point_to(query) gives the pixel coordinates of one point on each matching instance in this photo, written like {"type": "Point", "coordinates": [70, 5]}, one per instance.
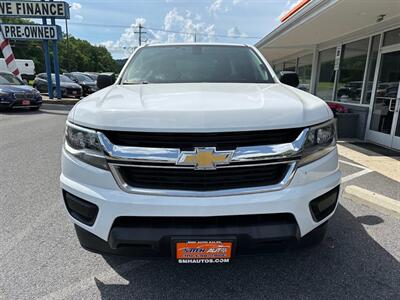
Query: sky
{"type": "Point", "coordinates": [113, 23]}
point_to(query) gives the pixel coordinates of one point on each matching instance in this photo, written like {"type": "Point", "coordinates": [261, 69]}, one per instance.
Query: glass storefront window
{"type": "Point", "coordinates": [304, 71]}
{"type": "Point", "coordinates": [373, 57]}
{"type": "Point", "coordinates": [391, 37]}
{"type": "Point", "coordinates": [351, 74]}
{"type": "Point", "coordinates": [326, 78]}
{"type": "Point", "coordinates": [290, 65]}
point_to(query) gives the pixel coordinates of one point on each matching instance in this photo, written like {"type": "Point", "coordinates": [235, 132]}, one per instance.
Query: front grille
{"type": "Point", "coordinates": [202, 180]}
{"type": "Point", "coordinates": [23, 95]}
{"type": "Point", "coordinates": [187, 141]}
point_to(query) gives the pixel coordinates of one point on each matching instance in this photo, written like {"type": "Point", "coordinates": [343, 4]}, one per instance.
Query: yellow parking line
{"type": "Point", "coordinates": [372, 199]}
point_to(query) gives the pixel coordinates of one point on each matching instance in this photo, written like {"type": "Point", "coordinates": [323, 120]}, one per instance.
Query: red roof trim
{"type": "Point", "coordinates": [294, 10]}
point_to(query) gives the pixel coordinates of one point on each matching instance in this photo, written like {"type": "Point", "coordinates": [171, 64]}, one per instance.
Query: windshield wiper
{"type": "Point", "coordinates": [136, 82]}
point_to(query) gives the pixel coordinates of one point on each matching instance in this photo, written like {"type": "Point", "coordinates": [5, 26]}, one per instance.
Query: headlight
{"type": "Point", "coordinates": [84, 144]}
{"type": "Point", "coordinates": [3, 94]}
{"type": "Point", "coordinates": [321, 139]}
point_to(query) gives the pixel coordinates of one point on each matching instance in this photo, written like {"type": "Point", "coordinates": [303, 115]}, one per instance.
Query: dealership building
{"type": "Point", "coordinates": [345, 52]}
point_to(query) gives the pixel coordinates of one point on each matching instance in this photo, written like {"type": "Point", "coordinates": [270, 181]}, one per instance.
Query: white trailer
{"type": "Point", "coordinates": [26, 68]}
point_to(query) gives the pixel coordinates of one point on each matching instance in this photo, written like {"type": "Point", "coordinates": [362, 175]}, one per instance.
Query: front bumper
{"type": "Point", "coordinates": [71, 92]}
{"type": "Point", "coordinates": [18, 104]}
{"type": "Point", "coordinates": [100, 188]}
{"type": "Point", "coordinates": [88, 89]}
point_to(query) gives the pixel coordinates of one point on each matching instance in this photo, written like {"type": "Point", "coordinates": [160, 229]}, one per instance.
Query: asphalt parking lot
{"type": "Point", "coordinates": [40, 256]}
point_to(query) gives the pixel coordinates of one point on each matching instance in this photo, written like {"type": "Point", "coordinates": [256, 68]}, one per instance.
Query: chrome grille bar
{"type": "Point", "coordinates": [127, 156]}
{"type": "Point", "coordinates": [171, 155]}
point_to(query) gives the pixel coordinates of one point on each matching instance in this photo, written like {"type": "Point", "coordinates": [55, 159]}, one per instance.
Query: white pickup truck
{"type": "Point", "coordinates": [200, 153]}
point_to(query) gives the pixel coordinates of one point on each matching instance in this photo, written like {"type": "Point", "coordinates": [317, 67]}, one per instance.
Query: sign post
{"type": "Point", "coordinates": [46, 51]}
{"type": "Point", "coordinates": [56, 63]}
{"type": "Point", "coordinates": [47, 32]}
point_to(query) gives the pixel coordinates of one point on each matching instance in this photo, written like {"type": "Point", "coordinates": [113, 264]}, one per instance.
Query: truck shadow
{"type": "Point", "coordinates": [348, 264]}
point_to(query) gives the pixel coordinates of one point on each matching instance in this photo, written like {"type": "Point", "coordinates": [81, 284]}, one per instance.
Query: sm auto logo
{"type": "Point", "coordinates": [207, 158]}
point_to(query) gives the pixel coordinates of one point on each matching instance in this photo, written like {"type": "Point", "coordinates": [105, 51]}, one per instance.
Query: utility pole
{"type": "Point", "coordinates": [140, 32]}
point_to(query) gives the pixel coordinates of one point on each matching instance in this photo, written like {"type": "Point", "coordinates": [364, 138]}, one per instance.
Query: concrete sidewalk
{"type": "Point", "coordinates": [63, 101]}
{"type": "Point", "coordinates": [385, 165]}
{"type": "Point", "coordinates": [371, 178]}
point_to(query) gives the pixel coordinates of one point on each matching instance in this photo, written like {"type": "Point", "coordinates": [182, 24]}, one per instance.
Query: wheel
{"type": "Point", "coordinates": [314, 237]}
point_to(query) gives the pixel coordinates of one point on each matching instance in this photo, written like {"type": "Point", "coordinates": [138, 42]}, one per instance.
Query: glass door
{"type": "Point", "coordinates": [384, 126]}
{"type": "Point", "coordinates": [396, 126]}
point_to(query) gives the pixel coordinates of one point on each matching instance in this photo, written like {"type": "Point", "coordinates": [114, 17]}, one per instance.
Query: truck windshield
{"type": "Point", "coordinates": [63, 78]}
{"type": "Point", "coordinates": [196, 63]}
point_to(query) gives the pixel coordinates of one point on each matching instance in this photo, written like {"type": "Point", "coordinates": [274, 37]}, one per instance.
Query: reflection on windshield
{"type": "Point", "coordinates": [63, 78]}
{"type": "Point", "coordinates": [9, 79]}
{"type": "Point", "coordinates": [81, 77]}
{"type": "Point", "coordinates": [196, 63]}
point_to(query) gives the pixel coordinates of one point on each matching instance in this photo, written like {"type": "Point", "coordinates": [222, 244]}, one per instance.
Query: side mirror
{"type": "Point", "coordinates": [289, 78]}
{"type": "Point", "coordinates": [105, 80]}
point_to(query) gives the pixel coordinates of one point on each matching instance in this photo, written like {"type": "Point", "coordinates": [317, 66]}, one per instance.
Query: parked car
{"type": "Point", "coordinates": [68, 87]}
{"type": "Point", "coordinates": [92, 75]}
{"type": "Point", "coordinates": [87, 83]}
{"type": "Point", "coordinates": [199, 152]}
{"type": "Point", "coordinates": [351, 91]}
{"type": "Point", "coordinates": [14, 93]}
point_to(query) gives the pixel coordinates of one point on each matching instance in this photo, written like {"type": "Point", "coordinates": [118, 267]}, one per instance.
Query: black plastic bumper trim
{"type": "Point", "coordinates": [81, 210]}
{"type": "Point", "coordinates": [324, 205]}
{"type": "Point", "coordinates": [156, 242]}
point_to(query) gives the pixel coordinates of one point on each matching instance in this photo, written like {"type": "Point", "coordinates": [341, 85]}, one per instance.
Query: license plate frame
{"type": "Point", "coordinates": [205, 250]}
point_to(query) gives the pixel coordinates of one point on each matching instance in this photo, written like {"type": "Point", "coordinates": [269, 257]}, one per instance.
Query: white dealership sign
{"type": "Point", "coordinates": [34, 9]}
{"type": "Point", "coordinates": [30, 32]}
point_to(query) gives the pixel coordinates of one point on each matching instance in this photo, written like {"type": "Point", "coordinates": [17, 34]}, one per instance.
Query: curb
{"type": "Point", "coordinates": [372, 199]}
{"type": "Point", "coordinates": [61, 102]}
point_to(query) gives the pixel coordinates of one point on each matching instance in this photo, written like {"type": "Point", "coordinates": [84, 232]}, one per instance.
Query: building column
{"type": "Point", "coordinates": [314, 71]}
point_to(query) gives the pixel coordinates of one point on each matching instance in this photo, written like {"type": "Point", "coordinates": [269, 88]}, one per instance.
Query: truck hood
{"type": "Point", "coordinates": [199, 107]}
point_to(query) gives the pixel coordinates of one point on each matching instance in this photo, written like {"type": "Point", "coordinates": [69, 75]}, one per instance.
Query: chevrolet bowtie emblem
{"type": "Point", "coordinates": [204, 158]}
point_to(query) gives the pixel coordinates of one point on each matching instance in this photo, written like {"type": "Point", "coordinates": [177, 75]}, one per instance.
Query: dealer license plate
{"type": "Point", "coordinates": [26, 102]}
{"type": "Point", "coordinates": [203, 252]}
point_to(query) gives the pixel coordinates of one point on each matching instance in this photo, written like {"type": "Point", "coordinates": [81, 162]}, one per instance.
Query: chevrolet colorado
{"type": "Point", "coordinates": [201, 153]}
